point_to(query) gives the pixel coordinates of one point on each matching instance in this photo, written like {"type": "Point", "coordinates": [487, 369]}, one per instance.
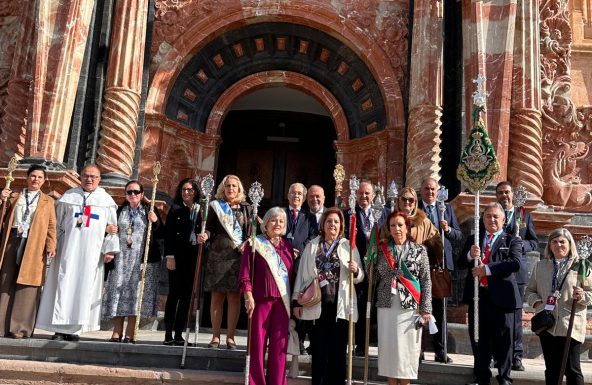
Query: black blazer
{"type": "Point", "coordinates": [361, 241]}
{"type": "Point", "coordinates": [454, 235]}
{"type": "Point", "coordinates": [530, 242]}
{"type": "Point", "coordinates": [306, 209]}
{"type": "Point", "coordinates": [178, 233]}
{"type": "Point", "coordinates": [301, 231]}
{"type": "Point", "coordinates": [504, 261]}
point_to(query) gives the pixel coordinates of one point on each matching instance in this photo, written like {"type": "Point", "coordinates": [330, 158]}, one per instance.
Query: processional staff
{"type": "Point", "coordinates": [392, 194]}
{"type": "Point", "coordinates": [9, 179]}
{"type": "Point", "coordinates": [354, 185]}
{"type": "Point", "coordinates": [206, 186]}
{"type": "Point", "coordinates": [478, 166]}
{"type": "Point", "coordinates": [155, 173]}
{"type": "Point", "coordinates": [371, 258]}
{"type": "Point", "coordinates": [256, 195]}
{"type": "Point", "coordinates": [339, 176]}
{"type": "Point", "coordinates": [442, 197]}
{"type": "Point", "coordinates": [520, 197]}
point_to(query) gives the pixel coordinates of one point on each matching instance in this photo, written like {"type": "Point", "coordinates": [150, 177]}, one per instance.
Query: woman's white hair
{"type": "Point", "coordinates": [272, 213]}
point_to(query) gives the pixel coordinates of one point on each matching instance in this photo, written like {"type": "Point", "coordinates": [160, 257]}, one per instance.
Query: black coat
{"type": "Point", "coordinates": [530, 242]}
{"type": "Point", "coordinates": [178, 233]}
{"type": "Point", "coordinates": [361, 241]}
{"type": "Point", "coordinates": [301, 231]}
{"type": "Point", "coordinates": [504, 261]}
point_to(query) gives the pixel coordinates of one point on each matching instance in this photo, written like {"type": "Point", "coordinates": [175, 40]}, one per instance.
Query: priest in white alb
{"type": "Point", "coordinates": [71, 299]}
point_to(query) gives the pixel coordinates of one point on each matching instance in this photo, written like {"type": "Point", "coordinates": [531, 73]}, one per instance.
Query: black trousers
{"type": "Point", "coordinates": [360, 326]}
{"type": "Point", "coordinates": [178, 300]}
{"type": "Point", "coordinates": [518, 346]}
{"type": "Point", "coordinates": [495, 338]}
{"type": "Point", "coordinates": [553, 348]}
{"type": "Point", "coordinates": [438, 313]}
{"type": "Point", "coordinates": [329, 347]}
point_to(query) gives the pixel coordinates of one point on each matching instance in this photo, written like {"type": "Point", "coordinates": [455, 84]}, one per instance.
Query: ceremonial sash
{"type": "Point", "coordinates": [402, 273]}
{"type": "Point", "coordinates": [228, 221]}
{"type": "Point", "coordinates": [276, 266]}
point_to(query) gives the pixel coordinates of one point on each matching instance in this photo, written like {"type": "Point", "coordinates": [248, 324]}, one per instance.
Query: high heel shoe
{"type": "Point", "coordinates": [129, 340]}
{"type": "Point", "coordinates": [115, 339]}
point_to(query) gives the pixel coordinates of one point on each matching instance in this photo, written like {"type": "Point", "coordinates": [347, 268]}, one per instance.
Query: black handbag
{"type": "Point", "coordinates": [542, 321]}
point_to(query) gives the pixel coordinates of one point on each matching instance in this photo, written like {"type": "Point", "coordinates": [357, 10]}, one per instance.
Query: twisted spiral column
{"type": "Point", "coordinates": [423, 145]}
{"type": "Point", "coordinates": [121, 106]}
{"type": "Point", "coordinates": [525, 155]}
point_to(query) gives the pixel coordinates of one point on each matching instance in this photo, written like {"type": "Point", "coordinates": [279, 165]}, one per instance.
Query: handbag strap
{"type": "Point", "coordinates": [558, 289]}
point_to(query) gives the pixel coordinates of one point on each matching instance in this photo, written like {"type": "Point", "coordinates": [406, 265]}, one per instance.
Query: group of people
{"type": "Point", "coordinates": [67, 265]}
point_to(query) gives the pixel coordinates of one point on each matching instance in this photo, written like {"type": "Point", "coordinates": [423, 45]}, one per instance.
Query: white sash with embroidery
{"type": "Point", "coordinates": [276, 266]}
{"type": "Point", "coordinates": [226, 218]}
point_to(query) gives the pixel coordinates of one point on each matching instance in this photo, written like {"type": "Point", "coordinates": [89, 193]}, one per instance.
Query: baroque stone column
{"type": "Point", "coordinates": [425, 105]}
{"type": "Point", "coordinates": [488, 50]}
{"type": "Point", "coordinates": [60, 41]}
{"type": "Point", "coordinates": [122, 91]}
{"type": "Point", "coordinates": [525, 153]}
{"type": "Point", "coordinates": [17, 19]}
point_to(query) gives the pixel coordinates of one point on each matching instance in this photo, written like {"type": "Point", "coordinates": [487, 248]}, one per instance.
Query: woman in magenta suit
{"type": "Point", "coordinates": [267, 298]}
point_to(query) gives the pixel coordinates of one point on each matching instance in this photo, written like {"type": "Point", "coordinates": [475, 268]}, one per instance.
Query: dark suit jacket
{"type": "Point", "coordinates": [454, 235]}
{"type": "Point", "coordinates": [306, 209]}
{"type": "Point", "coordinates": [361, 241]}
{"type": "Point", "coordinates": [504, 261]}
{"type": "Point", "coordinates": [300, 232]}
{"type": "Point", "coordinates": [530, 242]}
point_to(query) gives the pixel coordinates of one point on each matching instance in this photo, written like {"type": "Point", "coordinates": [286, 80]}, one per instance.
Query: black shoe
{"type": "Point", "coordinates": [128, 340]}
{"type": "Point", "coordinates": [440, 358]}
{"type": "Point", "coordinates": [505, 382]}
{"type": "Point", "coordinates": [517, 365]}
{"type": "Point", "coordinates": [71, 337]}
{"type": "Point", "coordinates": [359, 353]}
{"type": "Point", "coordinates": [421, 357]}
{"type": "Point", "coordinates": [57, 337]}
{"type": "Point", "coordinates": [178, 341]}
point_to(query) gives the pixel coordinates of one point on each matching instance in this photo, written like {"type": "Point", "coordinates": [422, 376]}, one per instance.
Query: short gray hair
{"type": "Point", "coordinates": [272, 213]}
{"type": "Point", "coordinates": [495, 205]}
{"type": "Point", "coordinates": [561, 232]}
{"type": "Point", "coordinates": [298, 184]}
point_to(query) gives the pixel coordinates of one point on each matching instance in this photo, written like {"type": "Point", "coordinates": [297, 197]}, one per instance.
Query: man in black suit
{"type": "Point", "coordinates": [302, 226]}
{"type": "Point", "coordinates": [521, 220]}
{"type": "Point", "coordinates": [315, 202]}
{"type": "Point", "coordinates": [449, 224]}
{"type": "Point", "coordinates": [498, 294]}
{"type": "Point", "coordinates": [365, 220]}
{"type": "Point", "coordinates": [300, 229]}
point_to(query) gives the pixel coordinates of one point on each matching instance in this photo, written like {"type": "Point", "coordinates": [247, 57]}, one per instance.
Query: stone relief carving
{"type": "Point", "coordinates": [566, 137]}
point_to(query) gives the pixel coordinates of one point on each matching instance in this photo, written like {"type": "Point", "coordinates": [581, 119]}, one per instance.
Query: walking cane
{"type": "Point", "coordinates": [206, 187]}
{"type": "Point", "coordinates": [442, 197]}
{"type": "Point", "coordinates": [584, 248]}
{"type": "Point", "coordinates": [155, 173]}
{"type": "Point", "coordinates": [371, 256]}
{"type": "Point", "coordinates": [354, 184]}
{"type": "Point", "coordinates": [10, 168]}
{"type": "Point", "coordinates": [255, 194]}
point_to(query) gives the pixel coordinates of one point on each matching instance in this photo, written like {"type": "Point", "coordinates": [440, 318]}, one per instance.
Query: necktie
{"type": "Point", "coordinates": [294, 215]}
{"type": "Point", "coordinates": [486, 254]}
{"type": "Point", "coordinates": [507, 222]}
{"type": "Point", "coordinates": [431, 214]}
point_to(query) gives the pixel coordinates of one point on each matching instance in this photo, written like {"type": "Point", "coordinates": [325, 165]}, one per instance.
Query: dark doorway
{"type": "Point", "coordinates": [278, 148]}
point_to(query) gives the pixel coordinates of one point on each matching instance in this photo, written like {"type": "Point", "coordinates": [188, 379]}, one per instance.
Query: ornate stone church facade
{"type": "Point", "coordinates": [126, 83]}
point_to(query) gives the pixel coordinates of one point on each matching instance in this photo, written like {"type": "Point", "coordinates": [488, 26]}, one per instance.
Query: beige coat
{"type": "Point", "coordinates": [307, 270]}
{"type": "Point", "coordinates": [539, 288]}
{"type": "Point", "coordinates": [425, 233]}
{"type": "Point", "coordinates": [42, 238]}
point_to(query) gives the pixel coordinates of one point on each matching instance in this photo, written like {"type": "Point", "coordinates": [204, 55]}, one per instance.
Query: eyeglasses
{"type": "Point", "coordinates": [92, 177]}
{"type": "Point", "coordinates": [408, 200]}
{"type": "Point", "coordinates": [133, 192]}
{"type": "Point", "coordinates": [187, 189]}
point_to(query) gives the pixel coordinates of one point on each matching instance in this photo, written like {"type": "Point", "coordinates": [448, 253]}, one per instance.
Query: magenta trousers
{"type": "Point", "coordinates": [269, 324]}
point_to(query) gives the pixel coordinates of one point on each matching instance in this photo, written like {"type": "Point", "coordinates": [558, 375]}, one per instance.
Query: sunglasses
{"type": "Point", "coordinates": [133, 192]}
{"type": "Point", "coordinates": [408, 200]}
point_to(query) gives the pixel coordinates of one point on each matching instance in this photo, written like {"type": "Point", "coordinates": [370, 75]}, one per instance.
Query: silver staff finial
{"type": "Point", "coordinates": [206, 185]}
{"type": "Point", "coordinates": [520, 196]}
{"type": "Point", "coordinates": [584, 247]}
{"type": "Point", "coordinates": [378, 202]}
{"type": "Point", "coordinates": [480, 96]}
{"type": "Point", "coordinates": [255, 194]}
{"type": "Point", "coordinates": [392, 193]}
